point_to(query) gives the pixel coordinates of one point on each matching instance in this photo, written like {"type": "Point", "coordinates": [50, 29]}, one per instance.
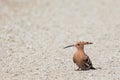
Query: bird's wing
{"type": "Point", "coordinates": [88, 62]}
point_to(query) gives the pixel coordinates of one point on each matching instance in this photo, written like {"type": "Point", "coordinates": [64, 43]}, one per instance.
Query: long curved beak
{"type": "Point", "coordinates": [68, 46]}
{"type": "Point", "coordinates": [90, 43]}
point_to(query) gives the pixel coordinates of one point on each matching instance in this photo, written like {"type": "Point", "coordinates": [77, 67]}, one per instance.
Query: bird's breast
{"type": "Point", "coordinates": [79, 57]}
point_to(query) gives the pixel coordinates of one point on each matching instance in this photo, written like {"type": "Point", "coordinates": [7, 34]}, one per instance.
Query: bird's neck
{"type": "Point", "coordinates": [81, 51]}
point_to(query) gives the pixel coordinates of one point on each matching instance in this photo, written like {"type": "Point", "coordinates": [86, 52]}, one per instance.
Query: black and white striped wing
{"type": "Point", "coordinates": [88, 62]}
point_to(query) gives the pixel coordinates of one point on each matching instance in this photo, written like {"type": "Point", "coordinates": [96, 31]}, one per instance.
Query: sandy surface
{"type": "Point", "coordinates": [34, 32]}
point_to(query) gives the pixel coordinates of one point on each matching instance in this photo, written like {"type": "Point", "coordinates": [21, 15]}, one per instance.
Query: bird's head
{"type": "Point", "coordinates": [79, 45]}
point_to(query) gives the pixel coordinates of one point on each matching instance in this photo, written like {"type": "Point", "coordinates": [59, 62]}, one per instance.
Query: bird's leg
{"type": "Point", "coordinates": [77, 69]}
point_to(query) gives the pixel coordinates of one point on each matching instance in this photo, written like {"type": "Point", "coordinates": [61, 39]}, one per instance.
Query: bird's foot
{"type": "Point", "coordinates": [77, 69]}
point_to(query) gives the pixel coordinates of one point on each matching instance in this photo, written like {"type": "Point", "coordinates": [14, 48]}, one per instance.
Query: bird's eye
{"type": "Point", "coordinates": [78, 44]}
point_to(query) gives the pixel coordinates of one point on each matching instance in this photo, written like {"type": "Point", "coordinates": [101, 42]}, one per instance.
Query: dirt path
{"type": "Point", "coordinates": [34, 32]}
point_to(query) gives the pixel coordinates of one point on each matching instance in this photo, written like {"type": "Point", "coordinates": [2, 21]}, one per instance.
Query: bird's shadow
{"type": "Point", "coordinates": [98, 68]}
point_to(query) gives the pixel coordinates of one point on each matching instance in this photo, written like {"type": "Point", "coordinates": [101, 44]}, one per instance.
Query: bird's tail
{"type": "Point", "coordinates": [93, 68]}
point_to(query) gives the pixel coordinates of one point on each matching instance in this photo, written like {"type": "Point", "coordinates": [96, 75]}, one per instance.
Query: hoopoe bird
{"type": "Point", "coordinates": [80, 58]}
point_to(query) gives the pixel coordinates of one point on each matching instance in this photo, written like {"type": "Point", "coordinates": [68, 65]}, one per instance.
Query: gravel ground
{"type": "Point", "coordinates": [34, 32]}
